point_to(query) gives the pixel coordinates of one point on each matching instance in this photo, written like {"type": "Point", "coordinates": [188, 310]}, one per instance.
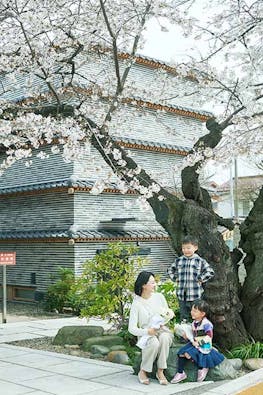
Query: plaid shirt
{"type": "Point", "coordinates": [190, 273]}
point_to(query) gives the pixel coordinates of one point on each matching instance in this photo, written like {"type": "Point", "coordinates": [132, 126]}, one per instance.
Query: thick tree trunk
{"type": "Point", "coordinates": [221, 292]}
{"type": "Point", "coordinates": [199, 219]}
{"type": "Point", "coordinates": [252, 291]}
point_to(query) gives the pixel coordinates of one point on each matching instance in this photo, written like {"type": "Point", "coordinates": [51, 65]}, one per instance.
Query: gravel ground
{"type": "Point", "coordinates": [45, 344]}
{"type": "Point", "coordinates": [20, 311]}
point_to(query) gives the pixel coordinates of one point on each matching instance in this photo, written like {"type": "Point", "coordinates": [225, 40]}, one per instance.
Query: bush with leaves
{"type": "Point", "coordinates": [168, 289]}
{"type": "Point", "coordinates": [57, 296]}
{"type": "Point", "coordinates": [105, 288]}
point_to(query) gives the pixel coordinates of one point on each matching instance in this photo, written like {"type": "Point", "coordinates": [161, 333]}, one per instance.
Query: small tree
{"type": "Point", "coordinates": [57, 296]}
{"type": "Point", "coordinates": [105, 286]}
{"type": "Point", "coordinates": [168, 289]}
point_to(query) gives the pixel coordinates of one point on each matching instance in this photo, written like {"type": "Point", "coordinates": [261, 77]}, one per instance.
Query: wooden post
{"type": "Point", "coordinates": [4, 295]}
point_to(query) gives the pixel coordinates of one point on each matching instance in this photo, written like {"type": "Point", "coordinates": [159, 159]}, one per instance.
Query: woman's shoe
{"type": "Point", "coordinates": [179, 377]}
{"type": "Point", "coordinates": [145, 381]}
{"type": "Point", "coordinates": [161, 381]}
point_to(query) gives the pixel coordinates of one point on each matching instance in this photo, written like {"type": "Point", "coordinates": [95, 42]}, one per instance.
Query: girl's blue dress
{"type": "Point", "coordinates": [203, 360]}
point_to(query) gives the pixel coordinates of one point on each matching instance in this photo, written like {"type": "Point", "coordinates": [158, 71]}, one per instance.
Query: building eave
{"type": "Point", "coordinates": [81, 236]}
{"type": "Point", "coordinates": [201, 115]}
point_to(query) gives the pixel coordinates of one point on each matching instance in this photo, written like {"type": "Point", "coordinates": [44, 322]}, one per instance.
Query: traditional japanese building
{"type": "Point", "coordinates": [50, 219]}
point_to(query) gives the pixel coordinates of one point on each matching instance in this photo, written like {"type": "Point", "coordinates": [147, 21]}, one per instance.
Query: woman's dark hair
{"type": "Point", "coordinates": [201, 305]}
{"type": "Point", "coordinates": [142, 279]}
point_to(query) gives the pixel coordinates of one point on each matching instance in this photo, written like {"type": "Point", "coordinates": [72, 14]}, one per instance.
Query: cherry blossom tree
{"type": "Point", "coordinates": [232, 68]}
{"type": "Point", "coordinates": [47, 51]}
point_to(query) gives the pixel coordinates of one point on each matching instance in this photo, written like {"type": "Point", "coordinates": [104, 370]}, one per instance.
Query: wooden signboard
{"type": "Point", "coordinates": [6, 258]}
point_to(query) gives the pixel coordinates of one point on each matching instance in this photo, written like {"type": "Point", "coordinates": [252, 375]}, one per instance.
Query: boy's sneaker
{"type": "Point", "coordinates": [179, 377]}
{"type": "Point", "coordinates": [202, 374]}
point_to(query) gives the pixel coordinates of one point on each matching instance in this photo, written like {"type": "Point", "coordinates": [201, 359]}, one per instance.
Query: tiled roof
{"type": "Point", "coordinates": [83, 234]}
{"type": "Point", "coordinates": [172, 106]}
{"type": "Point", "coordinates": [151, 144]}
{"type": "Point", "coordinates": [34, 234]}
{"type": "Point", "coordinates": [36, 186]}
{"type": "Point", "coordinates": [66, 183]}
{"type": "Point", "coordinates": [91, 234]}
{"type": "Point", "coordinates": [71, 182]}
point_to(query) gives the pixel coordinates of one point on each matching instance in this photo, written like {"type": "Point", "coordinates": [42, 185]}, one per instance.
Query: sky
{"type": "Point", "coordinates": [166, 45]}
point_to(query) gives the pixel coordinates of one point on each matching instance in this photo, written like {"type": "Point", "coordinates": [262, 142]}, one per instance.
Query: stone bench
{"type": "Point", "coordinates": [228, 369]}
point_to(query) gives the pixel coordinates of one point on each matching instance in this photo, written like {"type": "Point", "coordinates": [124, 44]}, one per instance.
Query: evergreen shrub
{"type": "Point", "coordinates": [105, 287]}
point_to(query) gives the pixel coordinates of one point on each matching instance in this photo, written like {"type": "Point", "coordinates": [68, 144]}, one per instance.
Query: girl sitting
{"type": "Point", "coordinates": [200, 349]}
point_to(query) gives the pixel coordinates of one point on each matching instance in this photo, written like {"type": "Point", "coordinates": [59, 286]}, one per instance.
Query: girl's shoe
{"type": "Point", "coordinates": [202, 374]}
{"type": "Point", "coordinates": [179, 377]}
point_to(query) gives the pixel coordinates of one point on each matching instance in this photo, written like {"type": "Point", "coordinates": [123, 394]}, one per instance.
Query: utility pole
{"type": "Point", "coordinates": [236, 232]}
{"type": "Point", "coordinates": [236, 191]}
{"type": "Point", "coordinates": [232, 208]}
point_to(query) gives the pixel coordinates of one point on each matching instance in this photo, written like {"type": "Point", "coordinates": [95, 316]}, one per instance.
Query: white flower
{"type": "Point", "coordinates": [167, 314]}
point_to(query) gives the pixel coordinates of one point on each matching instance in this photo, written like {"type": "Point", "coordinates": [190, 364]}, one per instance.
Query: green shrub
{"type": "Point", "coordinates": [168, 289]}
{"type": "Point", "coordinates": [57, 296]}
{"type": "Point", "coordinates": [245, 351]}
{"type": "Point", "coordinates": [105, 288]}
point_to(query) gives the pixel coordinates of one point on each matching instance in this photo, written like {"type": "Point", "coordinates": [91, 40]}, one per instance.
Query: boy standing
{"type": "Point", "coordinates": [190, 271]}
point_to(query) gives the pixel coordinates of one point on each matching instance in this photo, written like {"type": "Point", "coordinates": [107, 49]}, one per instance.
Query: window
{"type": "Point", "coordinates": [245, 207]}
{"type": "Point", "coordinates": [21, 293]}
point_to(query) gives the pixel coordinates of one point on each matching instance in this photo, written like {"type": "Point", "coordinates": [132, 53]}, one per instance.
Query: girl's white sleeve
{"type": "Point", "coordinates": [133, 322]}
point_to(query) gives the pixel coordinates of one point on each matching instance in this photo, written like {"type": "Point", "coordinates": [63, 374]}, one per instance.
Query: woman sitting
{"type": "Point", "coordinates": [146, 306]}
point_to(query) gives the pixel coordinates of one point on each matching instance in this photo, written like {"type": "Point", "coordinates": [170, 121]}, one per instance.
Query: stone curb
{"type": "Point", "coordinates": [240, 385]}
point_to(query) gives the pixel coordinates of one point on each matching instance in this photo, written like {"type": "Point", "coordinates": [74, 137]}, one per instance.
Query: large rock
{"type": "Point", "coordinates": [253, 363]}
{"type": "Point", "coordinates": [236, 363]}
{"type": "Point", "coordinates": [107, 341]}
{"type": "Point", "coordinates": [223, 371]}
{"type": "Point", "coordinates": [77, 334]}
{"type": "Point", "coordinates": [118, 357]}
{"type": "Point", "coordinates": [98, 349]}
{"type": "Point", "coordinates": [118, 347]}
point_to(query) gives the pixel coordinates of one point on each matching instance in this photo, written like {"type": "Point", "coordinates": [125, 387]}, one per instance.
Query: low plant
{"type": "Point", "coordinates": [105, 288]}
{"type": "Point", "coordinates": [168, 289]}
{"type": "Point", "coordinates": [57, 296]}
{"type": "Point", "coordinates": [246, 351]}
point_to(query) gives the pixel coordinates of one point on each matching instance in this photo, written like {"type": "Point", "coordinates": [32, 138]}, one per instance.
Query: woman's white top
{"type": "Point", "coordinates": [142, 311]}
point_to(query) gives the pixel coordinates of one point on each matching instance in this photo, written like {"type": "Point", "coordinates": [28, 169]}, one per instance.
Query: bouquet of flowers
{"type": "Point", "coordinates": [158, 321]}
{"type": "Point", "coordinates": [167, 315]}
{"type": "Point", "coordinates": [184, 330]}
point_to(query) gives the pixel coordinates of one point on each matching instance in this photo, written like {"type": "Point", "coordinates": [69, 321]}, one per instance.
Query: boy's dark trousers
{"type": "Point", "coordinates": [185, 307]}
{"type": "Point", "coordinates": [185, 310]}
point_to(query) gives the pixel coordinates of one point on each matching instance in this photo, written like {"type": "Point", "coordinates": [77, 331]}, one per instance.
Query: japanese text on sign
{"type": "Point", "coordinates": [7, 258]}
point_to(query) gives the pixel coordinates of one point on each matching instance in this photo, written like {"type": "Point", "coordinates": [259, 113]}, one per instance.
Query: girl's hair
{"type": "Point", "coordinates": [202, 306]}
{"type": "Point", "coordinates": [141, 280]}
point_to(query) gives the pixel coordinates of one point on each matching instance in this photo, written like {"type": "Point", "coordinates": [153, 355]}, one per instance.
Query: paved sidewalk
{"type": "Point", "coordinates": [35, 372]}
